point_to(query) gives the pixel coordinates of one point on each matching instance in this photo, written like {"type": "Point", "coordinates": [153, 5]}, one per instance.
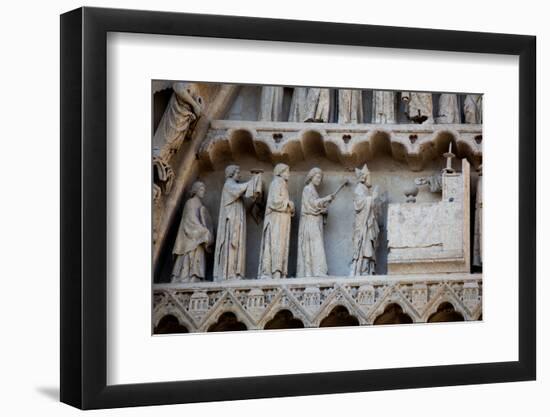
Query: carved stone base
{"type": "Point", "coordinates": [254, 303]}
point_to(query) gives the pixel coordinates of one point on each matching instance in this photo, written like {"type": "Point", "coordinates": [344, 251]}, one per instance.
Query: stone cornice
{"type": "Point", "coordinates": [348, 144]}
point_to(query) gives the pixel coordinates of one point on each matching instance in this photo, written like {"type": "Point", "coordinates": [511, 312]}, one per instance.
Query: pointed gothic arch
{"type": "Point", "coordinates": [284, 319]}
{"type": "Point", "coordinates": [393, 314]}
{"type": "Point", "coordinates": [339, 316]}
{"type": "Point", "coordinates": [169, 324]}
{"type": "Point", "coordinates": [446, 312]}
{"type": "Point", "coordinates": [227, 322]}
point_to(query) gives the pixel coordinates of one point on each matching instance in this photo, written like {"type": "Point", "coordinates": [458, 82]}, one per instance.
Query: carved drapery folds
{"type": "Point", "coordinates": [193, 239]}
{"type": "Point", "coordinates": [275, 242]}
{"type": "Point", "coordinates": [419, 107]}
{"type": "Point", "coordinates": [366, 205]}
{"type": "Point", "coordinates": [183, 110]}
{"type": "Point", "coordinates": [230, 254]}
{"type": "Point", "coordinates": [181, 114]}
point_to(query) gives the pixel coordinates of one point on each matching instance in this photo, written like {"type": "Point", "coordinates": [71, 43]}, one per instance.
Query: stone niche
{"type": "Point", "coordinates": [392, 177]}
{"type": "Point", "coordinates": [432, 237]}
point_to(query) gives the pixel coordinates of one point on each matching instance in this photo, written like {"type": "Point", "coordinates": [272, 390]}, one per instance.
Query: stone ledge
{"type": "Point", "coordinates": [348, 144]}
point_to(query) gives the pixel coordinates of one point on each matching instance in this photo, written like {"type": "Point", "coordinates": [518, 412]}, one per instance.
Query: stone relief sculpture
{"type": "Point", "coordinates": [184, 109]}
{"type": "Point", "coordinates": [350, 106]}
{"type": "Point", "coordinates": [419, 106]}
{"type": "Point", "coordinates": [312, 260]}
{"type": "Point", "coordinates": [317, 105]}
{"type": "Point", "coordinates": [298, 105]}
{"type": "Point", "coordinates": [433, 182]}
{"type": "Point", "coordinates": [193, 239]}
{"type": "Point", "coordinates": [383, 107]}
{"type": "Point", "coordinates": [163, 177]}
{"type": "Point", "coordinates": [478, 221]}
{"type": "Point", "coordinates": [276, 231]}
{"type": "Point", "coordinates": [449, 112]}
{"type": "Point", "coordinates": [473, 109]}
{"type": "Point", "coordinates": [271, 104]}
{"type": "Point", "coordinates": [229, 256]}
{"type": "Point", "coordinates": [365, 226]}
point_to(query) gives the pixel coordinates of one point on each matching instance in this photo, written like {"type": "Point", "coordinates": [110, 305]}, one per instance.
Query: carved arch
{"type": "Point", "coordinates": [453, 315]}
{"type": "Point", "coordinates": [227, 303]}
{"type": "Point", "coordinates": [170, 310]}
{"type": "Point", "coordinates": [399, 315]}
{"type": "Point", "coordinates": [445, 295]}
{"type": "Point", "coordinates": [284, 319]}
{"type": "Point", "coordinates": [339, 315]}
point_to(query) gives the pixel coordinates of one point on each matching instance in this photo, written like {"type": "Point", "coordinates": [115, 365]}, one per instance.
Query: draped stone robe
{"type": "Point", "coordinates": [449, 111]}
{"type": "Point", "coordinates": [276, 231]}
{"type": "Point", "coordinates": [298, 105]}
{"type": "Point", "coordinates": [311, 249]}
{"type": "Point", "coordinates": [271, 104]}
{"type": "Point", "coordinates": [420, 102]}
{"type": "Point", "coordinates": [478, 224]}
{"type": "Point", "coordinates": [230, 253]}
{"type": "Point", "coordinates": [182, 111]}
{"type": "Point", "coordinates": [317, 104]}
{"type": "Point", "coordinates": [383, 107]}
{"type": "Point", "coordinates": [350, 106]}
{"type": "Point", "coordinates": [194, 234]}
{"type": "Point", "coordinates": [473, 108]}
{"type": "Point", "coordinates": [365, 232]}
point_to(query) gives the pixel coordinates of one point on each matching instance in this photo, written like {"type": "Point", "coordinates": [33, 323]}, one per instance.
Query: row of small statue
{"type": "Point", "coordinates": [195, 235]}
{"type": "Point", "coordinates": [311, 104]}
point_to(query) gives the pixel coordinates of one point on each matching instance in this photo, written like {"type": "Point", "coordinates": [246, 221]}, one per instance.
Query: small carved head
{"type": "Point", "coordinates": [315, 176]}
{"type": "Point", "coordinates": [363, 175]}
{"type": "Point", "coordinates": [282, 170]}
{"type": "Point", "coordinates": [232, 171]}
{"type": "Point", "coordinates": [198, 189]}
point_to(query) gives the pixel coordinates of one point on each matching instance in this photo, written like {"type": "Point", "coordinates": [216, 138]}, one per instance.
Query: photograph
{"type": "Point", "coordinates": [299, 207]}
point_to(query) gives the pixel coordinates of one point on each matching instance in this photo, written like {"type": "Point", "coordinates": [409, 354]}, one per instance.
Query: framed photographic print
{"type": "Point", "coordinates": [257, 208]}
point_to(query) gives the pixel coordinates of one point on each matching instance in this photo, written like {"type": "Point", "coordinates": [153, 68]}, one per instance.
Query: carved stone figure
{"type": "Point", "coordinates": [478, 221]}
{"type": "Point", "coordinates": [317, 105]}
{"type": "Point", "coordinates": [229, 257]}
{"type": "Point", "coordinates": [449, 112]}
{"type": "Point", "coordinates": [298, 105]}
{"type": "Point", "coordinates": [276, 231]}
{"type": "Point", "coordinates": [163, 177]}
{"type": "Point", "coordinates": [193, 239]}
{"type": "Point", "coordinates": [365, 226]}
{"type": "Point", "coordinates": [419, 106]}
{"type": "Point", "coordinates": [271, 104]}
{"type": "Point", "coordinates": [312, 260]}
{"type": "Point", "coordinates": [350, 106]}
{"type": "Point", "coordinates": [183, 110]}
{"type": "Point", "coordinates": [473, 109]}
{"type": "Point", "coordinates": [383, 107]}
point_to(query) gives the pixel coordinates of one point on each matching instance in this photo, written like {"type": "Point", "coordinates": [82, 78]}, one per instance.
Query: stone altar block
{"type": "Point", "coordinates": [432, 237]}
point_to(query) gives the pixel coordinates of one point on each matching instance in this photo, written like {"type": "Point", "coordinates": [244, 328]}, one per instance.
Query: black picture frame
{"type": "Point", "coordinates": [84, 207]}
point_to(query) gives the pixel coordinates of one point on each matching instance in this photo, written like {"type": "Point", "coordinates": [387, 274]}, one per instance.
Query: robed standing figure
{"type": "Point", "coordinates": [230, 254]}
{"type": "Point", "coordinates": [194, 237]}
{"type": "Point", "coordinates": [365, 226]}
{"type": "Point", "coordinates": [276, 231]}
{"type": "Point", "coordinates": [312, 261]}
